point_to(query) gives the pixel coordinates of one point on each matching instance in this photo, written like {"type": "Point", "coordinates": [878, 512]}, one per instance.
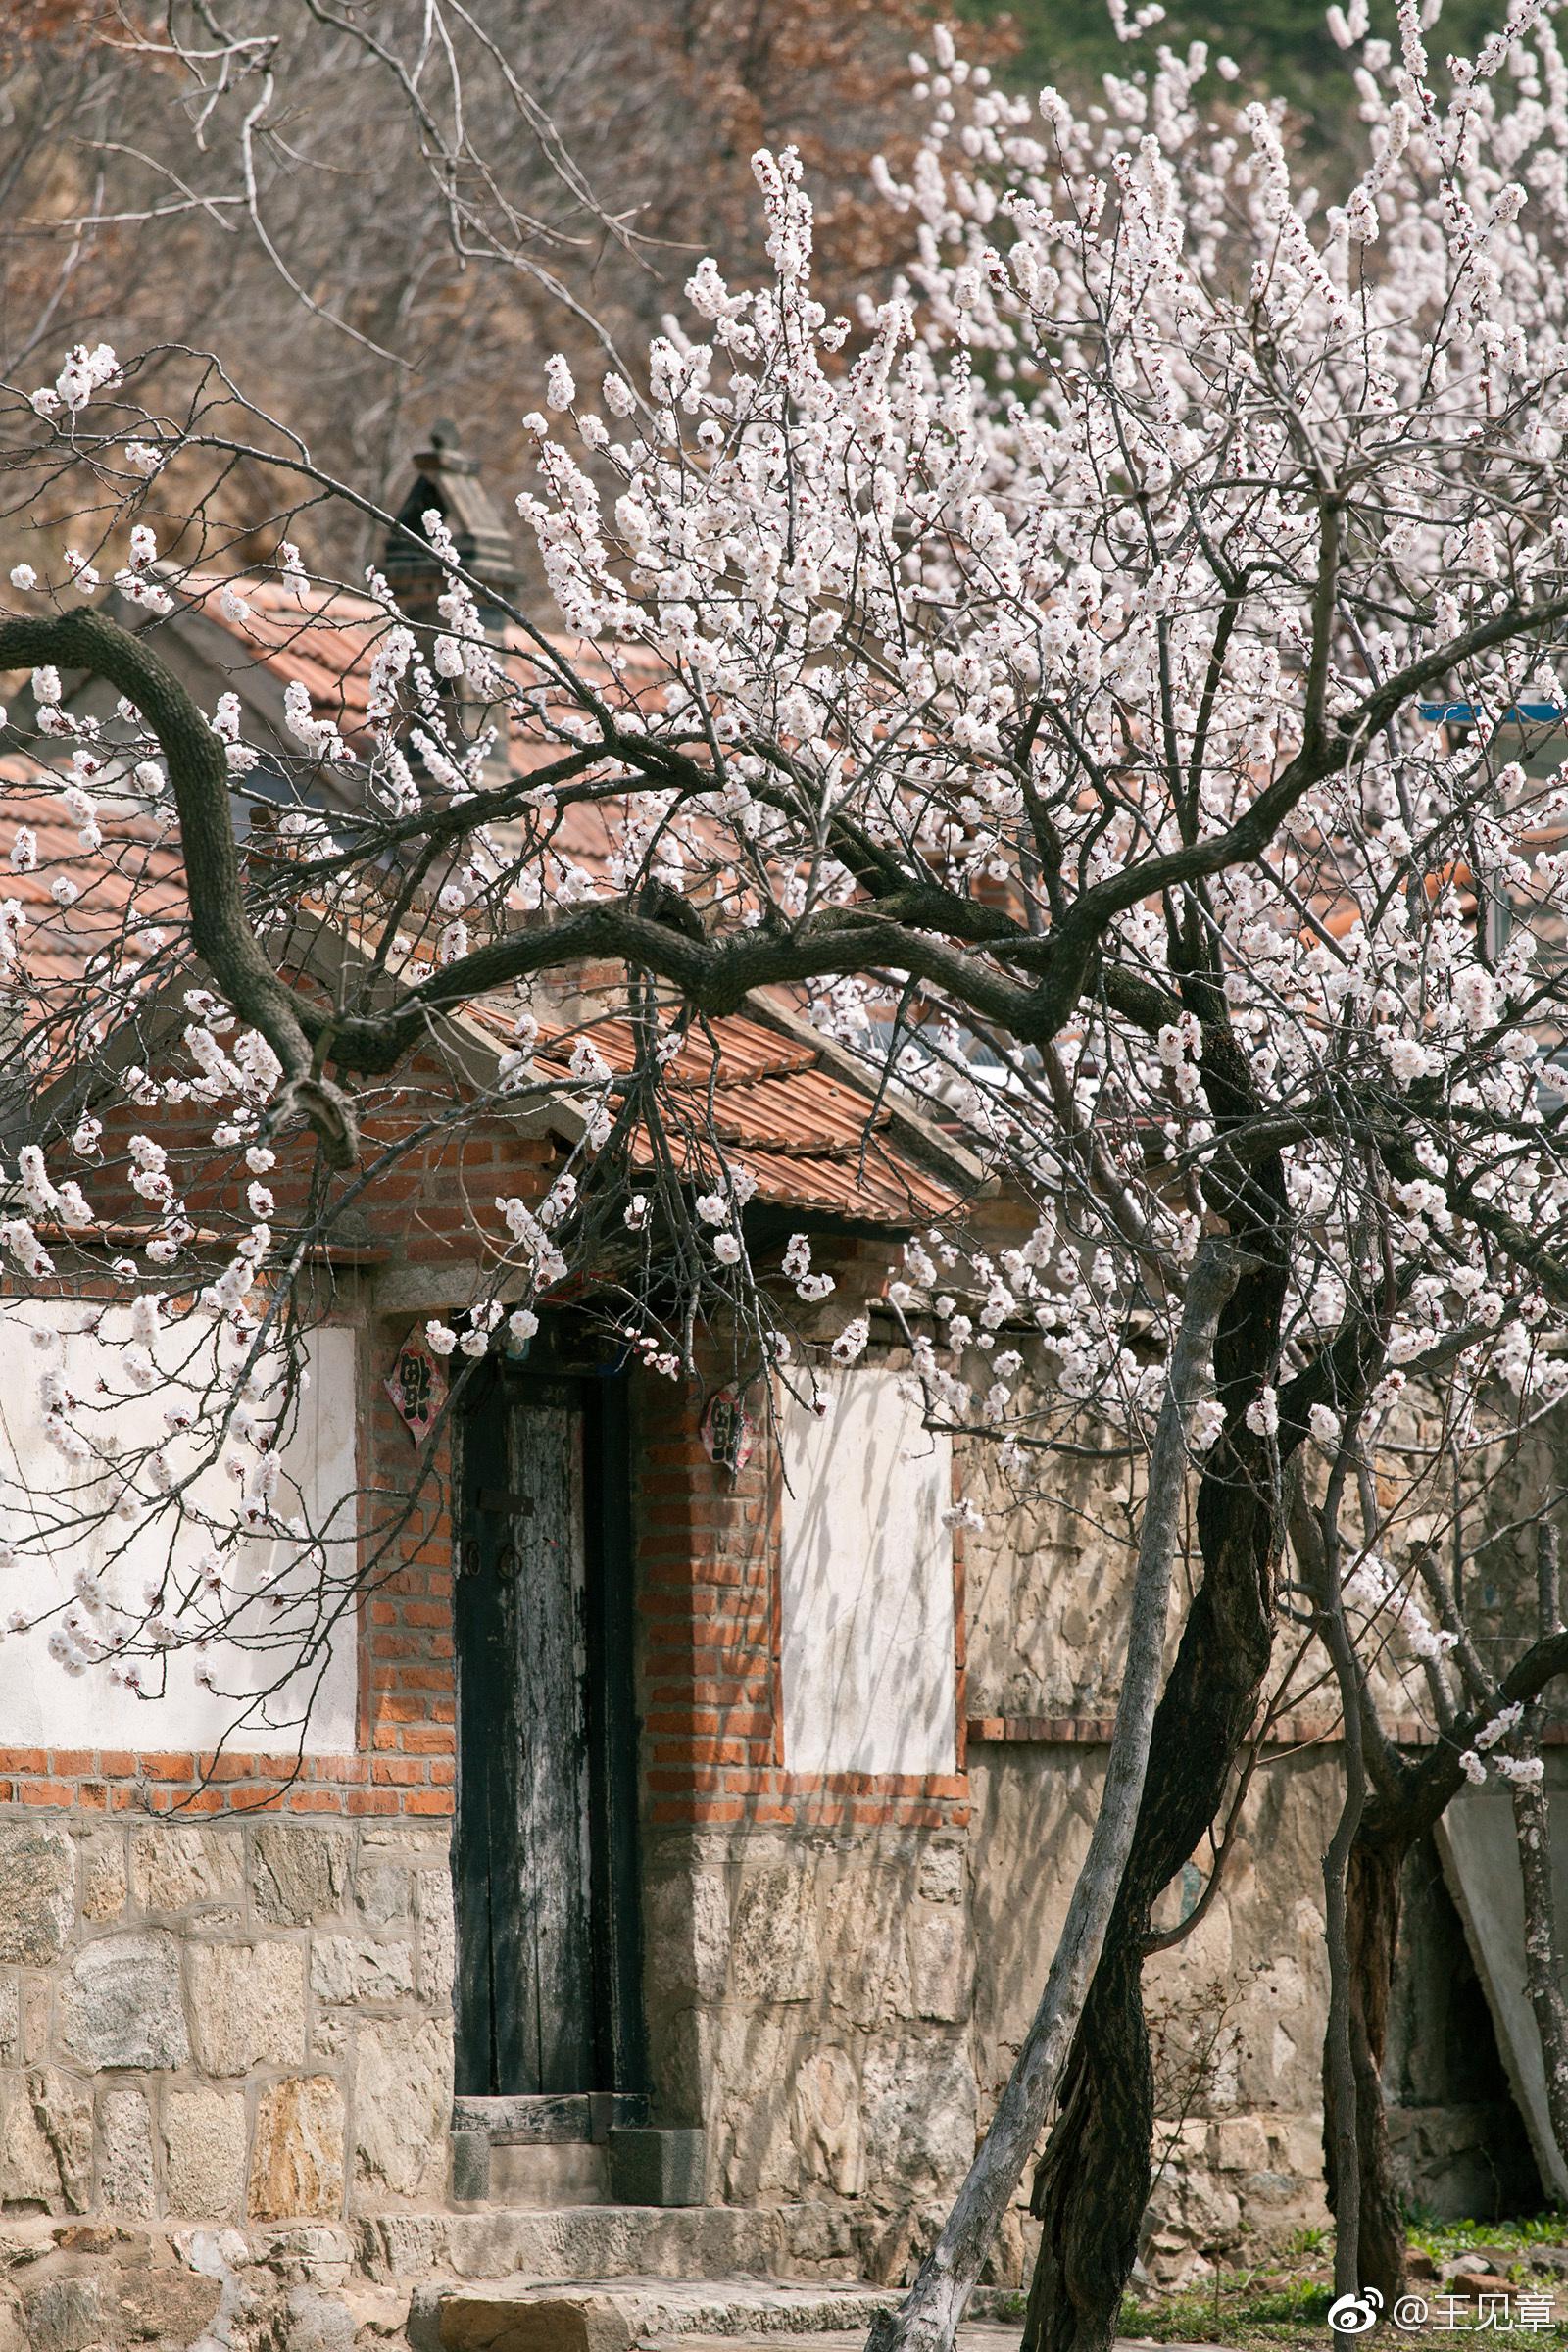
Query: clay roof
{"type": "Point", "coordinates": [808, 1134]}
{"type": "Point", "coordinates": [324, 638]}
{"type": "Point", "coordinates": [136, 877]}
{"type": "Point", "coordinates": [783, 1107]}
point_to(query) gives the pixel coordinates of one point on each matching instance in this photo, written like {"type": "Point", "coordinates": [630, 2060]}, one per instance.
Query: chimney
{"type": "Point", "coordinates": [448, 479]}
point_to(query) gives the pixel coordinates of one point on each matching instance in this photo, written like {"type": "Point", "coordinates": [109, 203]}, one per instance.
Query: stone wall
{"type": "Point", "coordinates": [811, 2002]}
{"type": "Point", "coordinates": [1237, 2010]}
{"type": "Point", "coordinates": [233, 2021]}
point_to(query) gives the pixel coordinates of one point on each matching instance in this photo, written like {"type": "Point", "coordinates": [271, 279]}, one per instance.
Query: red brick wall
{"type": "Point", "coordinates": [708, 1595]}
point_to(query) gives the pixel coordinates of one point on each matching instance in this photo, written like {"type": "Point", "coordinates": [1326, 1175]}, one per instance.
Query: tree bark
{"type": "Point", "coordinates": [1341, 2094]}
{"type": "Point", "coordinates": [198, 771]}
{"type": "Point", "coordinates": [927, 2320]}
{"type": "Point", "coordinates": [1531, 1821]}
{"type": "Point", "coordinates": [1370, 2240]}
{"type": "Point", "coordinates": [1389, 1826]}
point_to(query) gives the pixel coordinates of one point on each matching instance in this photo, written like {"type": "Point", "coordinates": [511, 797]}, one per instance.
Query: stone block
{"type": "Point", "coordinates": [36, 1989]}
{"type": "Point", "coordinates": [571, 2321]}
{"type": "Point", "coordinates": [865, 1966]}
{"type": "Point", "coordinates": [66, 2312]}
{"type": "Point", "coordinates": [307, 2253]}
{"type": "Point", "coordinates": [204, 2153]}
{"type": "Point", "coordinates": [38, 1872]}
{"type": "Point", "coordinates": [438, 1938]}
{"type": "Point", "coordinates": [652, 2167]}
{"type": "Point", "coordinates": [419, 1849]}
{"type": "Point", "coordinates": [350, 1969]}
{"type": "Point", "coordinates": [410, 2245]}
{"type": "Point", "coordinates": [247, 2006]}
{"type": "Point", "coordinates": [774, 1950]}
{"type": "Point", "coordinates": [120, 2002]}
{"type": "Point", "coordinates": [125, 2182]}
{"type": "Point", "coordinates": [297, 2164]}
{"type": "Point", "coordinates": [45, 2140]}
{"type": "Point", "coordinates": [940, 1874]}
{"type": "Point", "coordinates": [102, 1875]}
{"type": "Point", "coordinates": [161, 2305]}
{"type": "Point", "coordinates": [920, 2104]}
{"type": "Point", "coordinates": [1240, 2144]}
{"type": "Point", "coordinates": [299, 1875]}
{"type": "Point", "coordinates": [941, 1962]}
{"type": "Point", "coordinates": [686, 1934]}
{"type": "Point", "coordinates": [9, 2021]}
{"type": "Point", "coordinates": [751, 2146]}
{"type": "Point", "coordinates": [175, 1865]}
{"type": "Point", "coordinates": [312, 2322]}
{"type": "Point", "coordinates": [827, 2121]}
{"type": "Point", "coordinates": [331, 2031]}
{"type": "Point", "coordinates": [470, 2167]}
{"type": "Point", "coordinates": [1212, 2214]}
{"type": "Point", "coordinates": [401, 2104]}
{"type": "Point", "coordinates": [382, 1892]}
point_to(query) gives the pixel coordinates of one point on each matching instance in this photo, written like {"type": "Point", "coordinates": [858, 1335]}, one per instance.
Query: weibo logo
{"type": "Point", "coordinates": [1355, 2315]}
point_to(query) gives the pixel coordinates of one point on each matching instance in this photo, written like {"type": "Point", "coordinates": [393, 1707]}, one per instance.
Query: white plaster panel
{"type": "Point", "coordinates": [869, 1644]}
{"type": "Point", "coordinates": [43, 1706]}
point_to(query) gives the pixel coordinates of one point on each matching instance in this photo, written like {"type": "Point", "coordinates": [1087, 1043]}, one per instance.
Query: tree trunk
{"type": "Point", "coordinates": [1093, 2181]}
{"type": "Point", "coordinates": [1094, 2178]}
{"type": "Point", "coordinates": [1392, 1821]}
{"type": "Point", "coordinates": [1372, 1934]}
{"type": "Point", "coordinates": [928, 2318]}
{"type": "Point", "coordinates": [1531, 1821]}
{"type": "Point", "coordinates": [1341, 2081]}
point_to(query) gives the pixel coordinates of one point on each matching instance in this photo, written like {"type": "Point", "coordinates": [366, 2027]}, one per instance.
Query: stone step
{"type": "Point", "coordinates": [656, 2314]}
{"type": "Point", "coordinates": [976, 2336]}
{"type": "Point", "coordinates": [611, 2242]}
{"type": "Point", "coordinates": [532, 2315]}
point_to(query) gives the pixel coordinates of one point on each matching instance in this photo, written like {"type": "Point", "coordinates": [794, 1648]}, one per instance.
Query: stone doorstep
{"type": "Point", "coordinates": [614, 2314]}
{"type": "Point", "coordinates": [652, 2315]}
{"type": "Point", "coordinates": [976, 2336]}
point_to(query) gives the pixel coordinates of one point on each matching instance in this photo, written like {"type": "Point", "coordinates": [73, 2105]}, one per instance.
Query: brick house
{"type": "Point", "coordinates": [515, 1924]}
{"type": "Point", "coordinates": [675, 1844]}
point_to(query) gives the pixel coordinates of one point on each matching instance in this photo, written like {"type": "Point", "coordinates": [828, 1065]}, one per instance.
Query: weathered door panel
{"type": "Point", "coordinates": [545, 1875]}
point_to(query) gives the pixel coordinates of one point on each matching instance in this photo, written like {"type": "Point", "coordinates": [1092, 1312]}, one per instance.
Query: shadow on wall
{"type": "Point", "coordinates": [811, 2002]}
{"type": "Point", "coordinates": [1458, 2137]}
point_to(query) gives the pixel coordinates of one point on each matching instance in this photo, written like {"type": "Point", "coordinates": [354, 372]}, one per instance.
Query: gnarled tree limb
{"type": "Point", "coordinates": [198, 771]}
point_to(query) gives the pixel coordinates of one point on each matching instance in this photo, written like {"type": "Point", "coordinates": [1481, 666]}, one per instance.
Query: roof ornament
{"type": "Point", "coordinates": [448, 479]}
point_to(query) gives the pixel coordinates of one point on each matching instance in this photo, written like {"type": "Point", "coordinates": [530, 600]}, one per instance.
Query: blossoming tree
{"type": "Point", "coordinates": [1024, 681]}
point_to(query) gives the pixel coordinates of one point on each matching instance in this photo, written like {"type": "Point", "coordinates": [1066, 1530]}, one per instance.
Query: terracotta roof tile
{"type": "Point", "coordinates": [136, 875]}
{"type": "Point", "coordinates": [810, 1139]}
{"type": "Point", "coordinates": [326, 639]}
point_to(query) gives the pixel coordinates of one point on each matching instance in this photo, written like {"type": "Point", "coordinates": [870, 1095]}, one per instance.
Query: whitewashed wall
{"type": "Point", "coordinates": [868, 1643]}
{"type": "Point", "coordinates": [41, 1705]}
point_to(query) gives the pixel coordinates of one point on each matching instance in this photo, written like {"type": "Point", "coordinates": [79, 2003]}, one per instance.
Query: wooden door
{"type": "Point", "coordinates": [544, 1862]}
